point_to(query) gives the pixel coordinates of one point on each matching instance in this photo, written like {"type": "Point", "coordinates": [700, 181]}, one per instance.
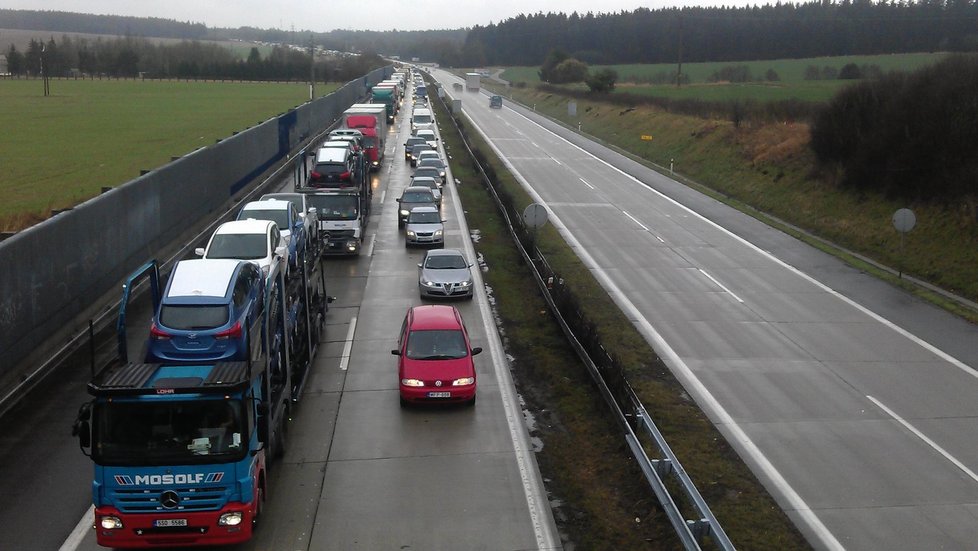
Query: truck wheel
{"type": "Point", "coordinates": [281, 439]}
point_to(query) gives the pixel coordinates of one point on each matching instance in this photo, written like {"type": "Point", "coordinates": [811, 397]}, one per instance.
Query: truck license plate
{"type": "Point", "coordinates": [439, 395]}
{"type": "Point", "coordinates": [164, 522]}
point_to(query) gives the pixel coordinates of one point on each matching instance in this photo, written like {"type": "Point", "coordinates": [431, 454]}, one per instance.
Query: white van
{"type": "Point", "coordinates": [422, 118]}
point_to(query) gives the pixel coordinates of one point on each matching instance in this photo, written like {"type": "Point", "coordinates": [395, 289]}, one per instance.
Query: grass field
{"type": "Point", "coordinates": [60, 150]}
{"type": "Point", "coordinates": [792, 83]}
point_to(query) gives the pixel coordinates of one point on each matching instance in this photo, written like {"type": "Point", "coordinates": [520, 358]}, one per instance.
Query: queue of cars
{"type": "Point", "coordinates": [434, 354]}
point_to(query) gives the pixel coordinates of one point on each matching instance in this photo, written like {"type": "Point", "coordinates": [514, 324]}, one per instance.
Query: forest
{"type": "Point", "coordinates": [132, 57]}
{"type": "Point", "coordinates": [693, 34]}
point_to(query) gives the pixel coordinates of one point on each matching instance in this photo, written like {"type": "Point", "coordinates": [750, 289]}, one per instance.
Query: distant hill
{"type": "Point", "coordinates": [59, 22]}
{"type": "Point", "coordinates": [45, 24]}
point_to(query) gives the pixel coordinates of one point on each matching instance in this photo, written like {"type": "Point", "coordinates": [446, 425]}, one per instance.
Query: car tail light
{"type": "Point", "coordinates": [345, 176]}
{"type": "Point", "coordinates": [315, 175]}
{"type": "Point", "coordinates": [158, 334]}
{"type": "Point", "coordinates": [233, 333]}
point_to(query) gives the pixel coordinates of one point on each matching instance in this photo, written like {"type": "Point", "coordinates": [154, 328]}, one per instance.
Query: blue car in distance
{"type": "Point", "coordinates": [210, 311]}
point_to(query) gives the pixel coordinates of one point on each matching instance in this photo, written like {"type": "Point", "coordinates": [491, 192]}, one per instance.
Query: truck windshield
{"type": "Point", "coordinates": [335, 207]}
{"type": "Point", "coordinates": [168, 432]}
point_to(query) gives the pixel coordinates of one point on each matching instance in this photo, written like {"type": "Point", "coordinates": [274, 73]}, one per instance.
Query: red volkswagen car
{"type": "Point", "coordinates": [435, 356]}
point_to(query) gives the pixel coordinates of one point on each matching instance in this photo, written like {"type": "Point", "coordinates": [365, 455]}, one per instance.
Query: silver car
{"type": "Point", "coordinates": [445, 273]}
{"type": "Point", "coordinates": [424, 226]}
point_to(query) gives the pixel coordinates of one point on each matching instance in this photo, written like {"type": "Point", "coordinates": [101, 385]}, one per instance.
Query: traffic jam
{"type": "Point", "coordinates": [182, 437]}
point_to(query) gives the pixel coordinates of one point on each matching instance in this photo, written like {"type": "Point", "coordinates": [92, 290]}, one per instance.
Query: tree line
{"type": "Point", "coordinates": [131, 57]}
{"type": "Point", "coordinates": [692, 34]}
{"type": "Point", "coordinates": [908, 135]}
{"type": "Point", "coordinates": [117, 25]}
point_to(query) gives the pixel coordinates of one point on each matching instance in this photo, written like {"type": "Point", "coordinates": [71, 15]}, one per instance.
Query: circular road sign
{"type": "Point", "coordinates": [904, 220]}
{"type": "Point", "coordinates": [535, 215]}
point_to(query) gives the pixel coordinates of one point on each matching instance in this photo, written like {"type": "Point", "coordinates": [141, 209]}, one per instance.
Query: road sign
{"type": "Point", "coordinates": [535, 215]}
{"type": "Point", "coordinates": [904, 220]}
{"type": "Point", "coordinates": [646, 138]}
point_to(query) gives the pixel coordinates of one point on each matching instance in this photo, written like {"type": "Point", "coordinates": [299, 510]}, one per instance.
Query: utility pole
{"type": "Point", "coordinates": [44, 74]}
{"type": "Point", "coordinates": [679, 71]}
{"type": "Point", "coordinates": [312, 70]}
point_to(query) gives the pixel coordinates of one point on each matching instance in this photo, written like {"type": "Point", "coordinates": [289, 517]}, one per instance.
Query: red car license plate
{"type": "Point", "coordinates": [439, 395]}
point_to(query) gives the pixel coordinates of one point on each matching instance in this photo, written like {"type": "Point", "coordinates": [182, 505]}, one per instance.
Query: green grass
{"type": "Point", "coordinates": [792, 84]}
{"type": "Point", "coordinates": [62, 149]}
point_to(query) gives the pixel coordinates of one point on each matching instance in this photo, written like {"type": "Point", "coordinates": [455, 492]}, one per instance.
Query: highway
{"type": "Point", "coordinates": [359, 472]}
{"type": "Point", "coordinates": [853, 402]}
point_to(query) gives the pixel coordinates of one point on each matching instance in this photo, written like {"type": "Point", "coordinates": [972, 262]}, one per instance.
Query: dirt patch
{"type": "Point", "coordinates": [774, 143]}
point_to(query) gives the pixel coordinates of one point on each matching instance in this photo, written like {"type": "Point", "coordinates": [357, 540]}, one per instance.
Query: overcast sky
{"type": "Point", "coordinates": [327, 15]}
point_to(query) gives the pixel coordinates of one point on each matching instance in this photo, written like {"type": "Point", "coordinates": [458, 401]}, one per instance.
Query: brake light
{"type": "Point", "coordinates": [233, 333]}
{"type": "Point", "coordinates": [315, 175]}
{"type": "Point", "coordinates": [158, 334]}
{"type": "Point", "coordinates": [345, 175]}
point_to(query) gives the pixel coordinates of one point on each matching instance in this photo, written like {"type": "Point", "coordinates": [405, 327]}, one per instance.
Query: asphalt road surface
{"type": "Point", "coordinates": [852, 401]}
{"type": "Point", "coordinates": [360, 472]}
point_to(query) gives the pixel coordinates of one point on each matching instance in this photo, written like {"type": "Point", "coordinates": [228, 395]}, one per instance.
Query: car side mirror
{"type": "Point", "coordinates": [477, 350]}
{"type": "Point", "coordinates": [396, 352]}
{"type": "Point", "coordinates": [199, 251]}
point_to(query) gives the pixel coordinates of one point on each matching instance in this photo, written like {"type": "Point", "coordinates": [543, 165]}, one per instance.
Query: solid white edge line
{"type": "Point", "coordinates": [348, 346]}
{"type": "Point", "coordinates": [926, 440]}
{"type": "Point", "coordinates": [929, 347]}
{"type": "Point", "coordinates": [689, 380]}
{"type": "Point", "coordinates": [370, 247]}
{"type": "Point", "coordinates": [720, 285]}
{"type": "Point", "coordinates": [81, 530]}
{"type": "Point", "coordinates": [541, 516]}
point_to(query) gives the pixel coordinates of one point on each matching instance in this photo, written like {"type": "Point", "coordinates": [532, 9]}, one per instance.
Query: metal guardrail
{"type": "Point", "coordinates": [691, 532]}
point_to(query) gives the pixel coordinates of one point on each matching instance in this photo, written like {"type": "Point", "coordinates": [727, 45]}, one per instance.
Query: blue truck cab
{"type": "Point", "coordinates": [181, 449]}
{"type": "Point", "coordinates": [178, 455]}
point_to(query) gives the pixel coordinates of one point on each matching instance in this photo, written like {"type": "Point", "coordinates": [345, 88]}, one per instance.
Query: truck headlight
{"type": "Point", "coordinates": [405, 212]}
{"type": "Point", "coordinates": [230, 519]}
{"type": "Point", "coordinates": [111, 523]}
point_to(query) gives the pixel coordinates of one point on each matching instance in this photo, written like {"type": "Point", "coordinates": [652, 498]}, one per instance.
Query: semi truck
{"type": "Point", "coordinates": [342, 219]}
{"type": "Point", "coordinates": [181, 451]}
{"type": "Point", "coordinates": [472, 82]}
{"type": "Point", "coordinates": [388, 94]}
{"type": "Point", "coordinates": [371, 120]}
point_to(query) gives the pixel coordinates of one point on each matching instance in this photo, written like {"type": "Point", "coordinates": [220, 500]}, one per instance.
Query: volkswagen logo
{"type": "Point", "coordinates": [169, 499]}
{"type": "Point", "coordinates": [437, 383]}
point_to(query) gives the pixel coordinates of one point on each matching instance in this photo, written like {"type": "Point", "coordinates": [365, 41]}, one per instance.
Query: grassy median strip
{"type": "Point", "coordinates": [601, 498]}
